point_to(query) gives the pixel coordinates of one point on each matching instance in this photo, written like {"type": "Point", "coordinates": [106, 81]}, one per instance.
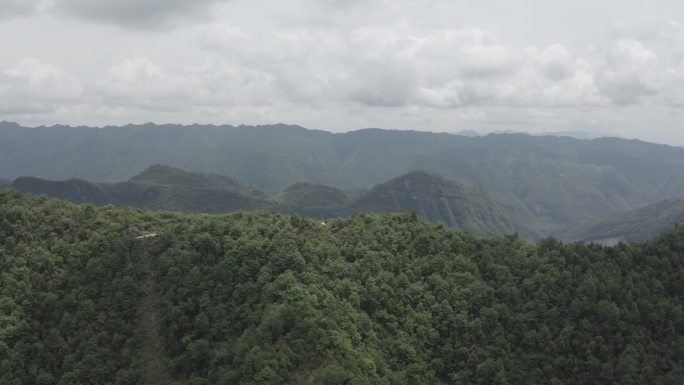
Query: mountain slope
{"type": "Point", "coordinates": [444, 201]}
{"type": "Point", "coordinates": [158, 188]}
{"type": "Point", "coordinates": [318, 201]}
{"type": "Point", "coordinates": [257, 298]}
{"type": "Point", "coordinates": [74, 190]}
{"type": "Point", "coordinates": [633, 226]}
{"type": "Point", "coordinates": [171, 176]}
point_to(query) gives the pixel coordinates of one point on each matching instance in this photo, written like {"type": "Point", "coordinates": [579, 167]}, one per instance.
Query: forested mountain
{"type": "Point", "coordinates": [560, 180]}
{"type": "Point", "coordinates": [126, 296]}
{"type": "Point", "coordinates": [167, 188]}
{"type": "Point", "coordinates": [448, 202]}
{"type": "Point", "coordinates": [633, 226]}
{"type": "Point", "coordinates": [318, 201]}
{"type": "Point", "coordinates": [146, 192]}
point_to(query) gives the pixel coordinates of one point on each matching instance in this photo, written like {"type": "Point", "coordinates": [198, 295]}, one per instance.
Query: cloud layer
{"type": "Point", "coordinates": [19, 8]}
{"type": "Point", "coordinates": [332, 65]}
{"type": "Point", "coordinates": [143, 14]}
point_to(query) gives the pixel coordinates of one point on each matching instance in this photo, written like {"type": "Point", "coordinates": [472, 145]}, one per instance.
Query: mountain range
{"type": "Point", "coordinates": [469, 208]}
{"type": "Point", "coordinates": [166, 188]}
{"type": "Point", "coordinates": [558, 181]}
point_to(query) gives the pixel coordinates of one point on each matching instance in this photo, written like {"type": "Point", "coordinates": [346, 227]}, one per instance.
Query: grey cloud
{"type": "Point", "coordinates": [138, 13]}
{"type": "Point", "coordinates": [675, 93]}
{"type": "Point", "coordinates": [557, 62]}
{"type": "Point", "coordinates": [383, 84]}
{"type": "Point", "coordinates": [469, 67]}
{"type": "Point", "coordinates": [394, 66]}
{"type": "Point", "coordinates": [14, 8]}
{"type": "Point", "coordinates": [337, 64]}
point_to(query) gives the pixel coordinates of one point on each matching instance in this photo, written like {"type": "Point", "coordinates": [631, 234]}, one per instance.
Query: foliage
{"type": "Point", "coordinates": [67, 291]}
{"type": "Point", "coordinates": [257, 298]}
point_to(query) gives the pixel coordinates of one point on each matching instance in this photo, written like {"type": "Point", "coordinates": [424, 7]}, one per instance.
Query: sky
{"type": "Point", "coordinates": [603, 67]}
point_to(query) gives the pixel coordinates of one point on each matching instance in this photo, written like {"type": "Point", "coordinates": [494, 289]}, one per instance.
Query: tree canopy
{"type": "Point", "coordinates": [258, 298]}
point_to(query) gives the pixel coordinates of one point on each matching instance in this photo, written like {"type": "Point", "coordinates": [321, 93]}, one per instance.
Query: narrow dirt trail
{"type": "Point", "coordinates": [152, 350]}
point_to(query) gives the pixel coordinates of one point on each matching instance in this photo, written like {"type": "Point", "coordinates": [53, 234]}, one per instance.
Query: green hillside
{"type": "Point", "coordinates": [159, 188]}
{"type": "Point", "coordinates": [74, 190]}
{"type": "Point", "coordinates": [633, 226]}
{"type": "Point", "coordinates": [560, 180]}
{"type": "Point", "coordinates": [167, 188]}
{"type": "Point", "coordinates": [170, 176]}
{"type": "Point", "coordinates": [304, 194]}
{"type": "Point", "coordinates": [126, 296]}
{"type": "Point", "coordinates": [444, 201]}
{"type": "Point", "coordinates": [317, 201]}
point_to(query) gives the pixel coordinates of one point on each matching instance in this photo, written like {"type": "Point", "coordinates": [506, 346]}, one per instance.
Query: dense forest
{"type": "Point", "coordinates": [127, 296]}
{"type": "Point", "coordinates": [559, 180]}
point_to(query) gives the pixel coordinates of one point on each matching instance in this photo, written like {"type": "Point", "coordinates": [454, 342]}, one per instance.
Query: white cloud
{"type": "Point", "coordinates": [395, 65]}
{"type": "Point", "coordinates": [138, 82]}
{"type": "Point", "coordinates": [633, 72]}
{"type": "Point", "coordinates": [551, 78]}
{"type": "Point", "coordinates": [33, 86]}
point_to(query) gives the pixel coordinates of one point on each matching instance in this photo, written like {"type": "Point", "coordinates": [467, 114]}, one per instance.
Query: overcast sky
{"type": "Point", "coordinates": [608, 66]}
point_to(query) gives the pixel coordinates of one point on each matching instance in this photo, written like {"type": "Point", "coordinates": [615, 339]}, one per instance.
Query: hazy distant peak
{"type": "Point", "coordinates": [302, 186]}
{"type": "Point", "coordinates": [422, 183]}
{"type": "Point", "coordinates": [6, 124]}
{"type": "Point", "coordinates": [302, 194]}
{"type": "Point", "coordinates": [419, 180]}
{"type": "Point", "coordinates": [471, 133]}
{"type": "Point", "coordinates": [577, 134]}
{"type": "Point", "coordinates": [167, 175]}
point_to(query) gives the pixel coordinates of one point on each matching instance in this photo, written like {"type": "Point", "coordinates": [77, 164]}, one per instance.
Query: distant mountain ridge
{"type": "Point", "coordinates": [561, 181]}
{"type": "Point", "coordinates": [165, 175]}
{"type": "Point", "coordinates": [438, 199]}
{"type": "Point", "coordinates": [632, 226]}
{"type": "Point", "coordinates": [158, 187]}
{"type": "Point", "coordinates": [445, 201]}
{"type": "Point", "coordinates": [167, 188]}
